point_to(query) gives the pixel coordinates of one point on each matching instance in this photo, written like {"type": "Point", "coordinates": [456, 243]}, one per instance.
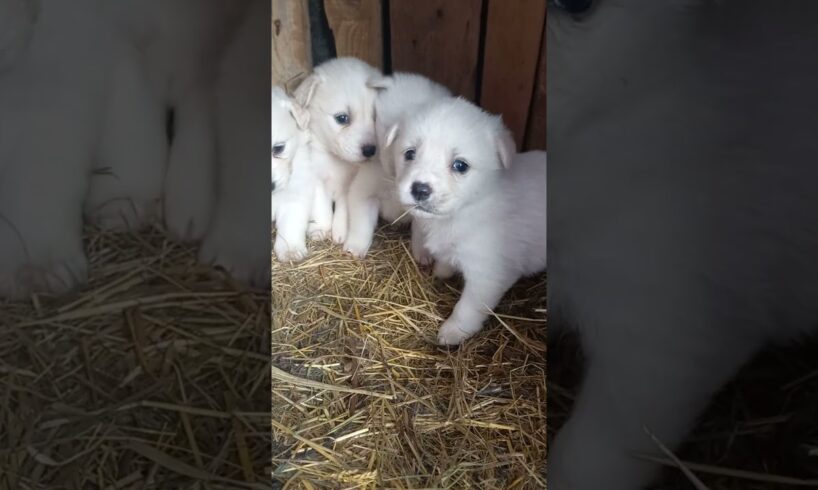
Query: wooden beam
{"type": "Point", "coordinates": [357, 28]}
{"type": "Point", "coordinates": [514, 33]}
{"type": "Point", "coordinates": [535, 134]}
{"type": "Point", "coordinates": [291, 40]}
{"type": "Point", "coordinates": [439, 39]}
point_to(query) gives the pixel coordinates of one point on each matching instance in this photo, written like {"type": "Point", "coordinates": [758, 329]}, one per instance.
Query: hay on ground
{"type": "Point", "coordinates": [153, 375]}
{"type": "Point", "coordinates": [364, 398]}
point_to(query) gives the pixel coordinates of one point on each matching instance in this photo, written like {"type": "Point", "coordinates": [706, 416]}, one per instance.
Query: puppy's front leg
{"type": "Point", "coordinates": [340, 220]}
{"type": "Point", "coordinates": [291, 230]}
{"type": "Point", "coordinates": [363, 219]}
{"type": "Point", "coordinates": [481, 293]}
{"type": "Point", "coordinates": [420, 253]}
{"type": "Point", "coordinates": [189, 181]}
{"type": "Point", "coordinates": [320, 225]}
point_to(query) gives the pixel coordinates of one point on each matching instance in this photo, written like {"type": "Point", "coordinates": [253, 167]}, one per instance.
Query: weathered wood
{"type": "Point", "coordinates": [291, 40]}
{"type": "Point", "coordinates": [514, 33]}
{"type": "Point", "coordinates": [535, 134]}
{"type": "Point", "coordinates": [357, 29]}
{"type": "Point", "coordinates": [439, 39]}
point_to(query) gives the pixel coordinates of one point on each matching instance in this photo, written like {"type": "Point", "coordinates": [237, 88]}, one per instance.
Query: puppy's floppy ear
{"type": "Point", "coordinates": [391, 134]}
{"type": "Point", "coordinates": [301, 115]}
{"type": "Point", "coordinates": [306, 90]}
{"type": "Point", "coordinates": [380, 83]}
{"type": "Point", "coordinates": [506, 147]}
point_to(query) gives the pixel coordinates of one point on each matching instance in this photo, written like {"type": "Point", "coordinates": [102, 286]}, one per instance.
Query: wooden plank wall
{"type": "Point", "coordinates": [441, 39]}
{"type": "Point", "coordinates": [291, 40]}
{"type": "Point", "coordinates": [512, 51]}
{"type": "Point", "coordinates": [357, 29]}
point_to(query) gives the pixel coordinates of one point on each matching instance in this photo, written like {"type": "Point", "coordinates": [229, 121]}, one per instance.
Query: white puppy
{"type": "Point", "coordinates": [481, 209]}
{"type": "Point", "coordinates": [238, 238]}
{"type": "Point", "coordinates": [372, 191]}
{"type": "Point", "coordinates": [293, 180]}
{"type": "Point", "coordinates": [52, 97]}
{"type": "Point", "coordinates": [340, 97]}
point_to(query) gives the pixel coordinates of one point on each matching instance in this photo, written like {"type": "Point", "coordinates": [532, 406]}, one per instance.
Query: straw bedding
{"type": "Point", "coordinates": [153, 375]}
{"type": "Point", "coordinates": [364, 398]}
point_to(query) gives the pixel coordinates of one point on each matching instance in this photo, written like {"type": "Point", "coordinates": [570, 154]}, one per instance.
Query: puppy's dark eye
{"type": "Point", "coordinates": [278, 149]}
{"type": "Point", "coordinates": [460, 166]}
{"type": "Point", "coordinates": [342, 119]}
{"type": "Point", "coordinates": [409, 154]}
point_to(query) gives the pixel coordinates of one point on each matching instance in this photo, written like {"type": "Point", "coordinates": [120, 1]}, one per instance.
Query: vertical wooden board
{"type": "Point", "coordinates": [357, 28]}
{"type": "Point", "coordinates": [439, 39]}
{"type": "Point", "coordinates": [512, 49]}
{"type": "Point", "coordinates": [535, 134]}
{"type": "Point", "coordinates": [291, 40]}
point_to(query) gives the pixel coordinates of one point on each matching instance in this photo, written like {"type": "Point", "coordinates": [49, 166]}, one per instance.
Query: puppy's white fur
{"type": "Point", "coordinates": [372, 191]}
{"type": "Point", "coordinates": [52, 93]}
{"type": "Point", "coordinates": [181, 43]}
{"type": "Point", "coordinates": [86, 83]}
{"type": "Point", "coordinates": [488, 223]}
{"type": "Point", "coordinates": [238, 238]}
{"type": "Point", "coordinates": [341, 86]}
{"type": "Point", "coordinates": [683, 213]}
{"type": "Point", "coordinates": [295, 183]}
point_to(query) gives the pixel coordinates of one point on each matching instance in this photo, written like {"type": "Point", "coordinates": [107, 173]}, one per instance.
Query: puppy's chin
{"type": "Point", "coordinates": [356, 159]}
{"type": "Point", "coordinates": [426, 212]}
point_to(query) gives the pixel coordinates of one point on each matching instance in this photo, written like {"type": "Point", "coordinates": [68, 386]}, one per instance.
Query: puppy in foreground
{"type": "Point", "coordinates": [293, 182]}
{"type": "Point", "coordinates": [340, 98]}
{"type": "Point", "coordinates": [480, 208]}
{"type": "Point", "coordinates": [683, 211]}
{"type": "Point", "coordinates": [372, 192]}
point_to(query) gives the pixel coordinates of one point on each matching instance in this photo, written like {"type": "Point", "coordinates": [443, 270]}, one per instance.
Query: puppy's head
{"type": "Point", "coordinates": [289, 120]}
{"type": "Point", "coordinates": [400, 96]}
{"type": "Point", "coordinates": [340, 97]}
{"type": "Point", "coordinates": [447, 156]}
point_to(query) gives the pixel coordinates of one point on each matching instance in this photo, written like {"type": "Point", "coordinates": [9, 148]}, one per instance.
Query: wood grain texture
{"type": "Point", "coordinates": [535, 133]}
{"type": "Point", "coordinates": [357, 29]}
{"type": "Point", "coordinates": [514, 33]}
{"type": "Point", "coordinates": [438, 39]}
{"type": "Point", "coordinates": [291, 40]}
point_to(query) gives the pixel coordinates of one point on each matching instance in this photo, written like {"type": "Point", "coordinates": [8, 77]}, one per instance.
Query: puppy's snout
{"type": "Point", "coordinates": [421, 191]}
{"type": "Point", "coordinates": [369, 150]}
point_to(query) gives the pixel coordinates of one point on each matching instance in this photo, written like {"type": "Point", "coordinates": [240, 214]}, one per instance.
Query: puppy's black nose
{"type": "Point", "coordinates": [369, 150]}
{"type": "Point", "coordinates": [274, 186]}
{"type": "Point", "coordinates": [421, 191]}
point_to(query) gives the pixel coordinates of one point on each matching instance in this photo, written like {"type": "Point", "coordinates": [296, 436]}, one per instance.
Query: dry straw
{"type": "Point", "coordinates": [153, 375]}
{"type": "Point", "coordinates": [364, 398]}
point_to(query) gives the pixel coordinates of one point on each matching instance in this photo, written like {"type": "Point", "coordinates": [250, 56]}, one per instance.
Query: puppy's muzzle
{"type": "Point", "coordinates": [420, 191]}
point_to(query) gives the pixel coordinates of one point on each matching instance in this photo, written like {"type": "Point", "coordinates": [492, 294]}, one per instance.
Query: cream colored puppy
{"type": "Point", "coordinates": [294, 183]}
{"type": "Point", "coordinates": [340, 98]}
{"type": "Point", "coordinates": [481, 209]}
{"type": "Point", "coordinates": [372, 191]}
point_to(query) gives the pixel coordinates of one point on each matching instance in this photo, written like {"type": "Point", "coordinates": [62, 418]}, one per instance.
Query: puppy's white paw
{"type": "Point", "coordinates": [443, 270]}
{"type": "Point", "coordinates": [357, 247]}
{"type": "Point", "coordinates": [422, 257]}
{"type": "Point", "coordinates": [339, 234]}
{"type": "Point", "coordinates": [246, 260]}
{"type": "Point", "coordinates": [286, 253]}
{"type": "Point", "coordinates": [318, 233]}
{"type": "Point", "coordinates": [453, 333]}
{"type": "Point", "coordinates": [55, 273]}
{"type": "Point", "coordinates": [121, 214]}
{"type": "Point", "coordinates": [187, 215]}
